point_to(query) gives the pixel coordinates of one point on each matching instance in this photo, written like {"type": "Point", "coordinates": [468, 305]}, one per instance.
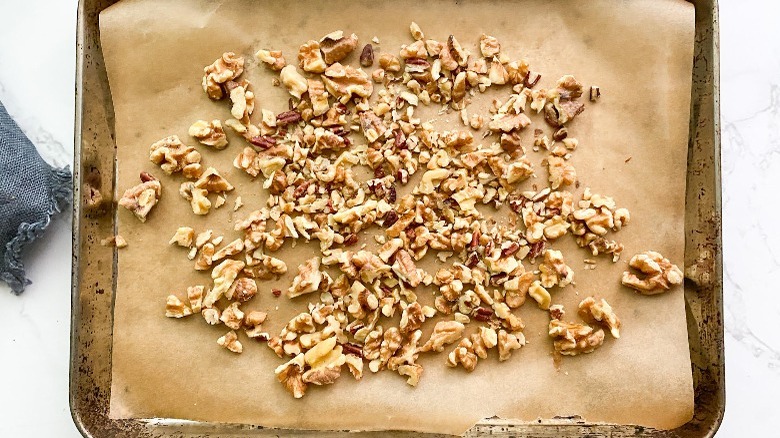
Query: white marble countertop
{"type": "Point", "coordinates": [37, 55]}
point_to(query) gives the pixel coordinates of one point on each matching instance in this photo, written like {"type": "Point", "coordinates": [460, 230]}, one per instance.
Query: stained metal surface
{"type": "Point", "coordinates": [94, 266]}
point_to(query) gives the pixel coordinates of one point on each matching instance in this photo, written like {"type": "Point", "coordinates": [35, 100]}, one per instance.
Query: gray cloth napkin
{"type": "Point", "coordinates": [31, 192]}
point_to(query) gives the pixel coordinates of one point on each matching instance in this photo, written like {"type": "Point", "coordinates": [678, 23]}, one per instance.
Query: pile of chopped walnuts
{"type": "Point", "coordinates": [306, 157]}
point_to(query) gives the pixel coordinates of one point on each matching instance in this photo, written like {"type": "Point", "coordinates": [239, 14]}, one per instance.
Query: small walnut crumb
{"type": "Point", "coordinates": [142, 198]}
{"type": "Point", "coordinates": [489, 46]}
{"type": "Point", "coordinates": [595, 93]}
{"type": "Point", "coordinates": [175, 308]}
{"type": "Point", "coordinates": [238, 203]}
{"type": "Point", "coordinates": [593, 311]}
{"type": "Point", "coordinates": [227, 68]}
{"type": "Point", "coordinates": [273, 58]}
{"type": "Point", "coordinates": [183, 237]}
{"type": "Point", "coordinates": [658, 274]}
{"type": "Point", "coordinates": [571, 339]}
{"type": "Point", "coordinates": [308, 278]}
{"type": "Point", "coordinates": [335, 46]}
{"type": "Point", "coordinates": [115, 241]}
{"type": "Point", "coordinates": [209, 133]}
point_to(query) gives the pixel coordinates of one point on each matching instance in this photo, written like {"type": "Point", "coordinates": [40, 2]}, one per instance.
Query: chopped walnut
{"type": "Point", "coordinates": [335, 46]}
{"type": "Point", "coordinates": [210, 315]}
{"type": "Point", "coordinates": [142, 198]}
{"type": "Point", "coordinates": [405, 268]}
{"type": "Point", "coordinates": [347, 82]}
{"type": "Point", "coordinates": [209, 133]}
{"type": "Point", "coordinates": [658, 274]}
{"type": "Point", "coordinates": [507, 342]}
{"type": "Point", "coordinates": [213, 182]}
{"type": "Point", "coordinates": [463, 355]}
{"type": "Point", "coordinates": [232, 316]}
{"type": "Point", "coordinates": [310, 57]}
{"type": "Point", "coordinates": [540, 295]}
{"type": "Point", "coordinates": [173, 156]}
{"type": "Point", "coordinates": [444, 333]}
{"type": "Point", "coordinates": [559, 114]}
{"type": "Point", "coordinates": [554, 270]}
{"type": "Point", "coordinates": [230, 341]}
{"type": "Point", "coordinates": [242, 290]}
{"type": "Point", "coordinates": [273, 58]}
{"type": "Point", "coordinates": [290, 374]}
{"type": "Point", "coordinates": [227, 68]}
{"type": "Point", "coordinates": [593, 311]}
{"type": "Point", "coordinates": [295, 83]}
{"type": "Point", "coordinates": [223, 275]}
{"type": "Point", "coordinates": [203, 259]}
{"type": "Point", "coordinates": [195, 296]}
{"type": "Point", "coordinates": [562, 173]}
{"type": "Point", "coordinates": [571, 339]}
{"type": "Point", "coordinates": [175, 308]}
{"type": "Point", "coordinates": [253, 324]}
{"type": "Point", "coordinates": [308, 278]}
{"type": "Point", "coordinates": [183, 237]}
{"type": "Point", "coordinates": [389, 62]}
{"type": "Point", "coordinates": [489, 46]}
{"type": "Point", "coordinates": [228, 250]}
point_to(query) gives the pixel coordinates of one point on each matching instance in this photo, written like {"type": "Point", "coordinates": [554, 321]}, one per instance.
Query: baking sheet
{"type": "Point", "coordinates": [155, 52]}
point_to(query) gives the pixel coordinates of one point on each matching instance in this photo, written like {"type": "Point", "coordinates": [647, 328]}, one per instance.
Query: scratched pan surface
{"type": "Point", "coordinates": [94, 269]}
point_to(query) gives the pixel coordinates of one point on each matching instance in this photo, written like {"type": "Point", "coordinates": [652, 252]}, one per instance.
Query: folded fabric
{"type": "Point", "coordinates": [31, 192]}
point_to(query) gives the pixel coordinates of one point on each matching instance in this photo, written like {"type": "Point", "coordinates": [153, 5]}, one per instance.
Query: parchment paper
{"type": "Point", "coordinates": [639, 52]}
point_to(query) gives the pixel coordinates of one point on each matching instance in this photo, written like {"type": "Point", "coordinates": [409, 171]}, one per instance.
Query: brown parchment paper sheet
{"type": "Point", "coordinates": [639, 52]}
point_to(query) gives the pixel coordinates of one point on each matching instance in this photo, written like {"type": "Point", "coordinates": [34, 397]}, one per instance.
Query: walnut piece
{"type": "Point", "coordinates": [571, 339]}
{"type": "Point", "coordinates": [213, 182]}
{"type": "Point", "coordinates": [273, 58]}
{"type": "Point", "coordinates": [226, 68]}
{"type": "Point", "coordinates": [507, 342]}
{"type": "Point", "coordinates": [223, 275]}
{"type": "Point", "coordinates": [540, 295]}
{"type": "Point", "coordinates": [242, 290]}
{"type": "Point", "coordinates": [463, 355]}
{"type": "Point", "coordinates": [489, 46]}
{"type": "Point", "coordinates": [335, 46]}
{"type": "Point", "coordinates": [444, 333]}
{"type": "Point", "coordinates": [405, 268]}
{"type": "Point", "coordinates": [562, 173]}
{"type": "Point", "coordinates": [183, 237]}
{"type": "Point", "coordinates": [554, 271]}
{"type": "Point", "coordinates": [173, 156]}
{"type": "Point", "coordinates": [310, 57]}
{"type": "Point", "coordinates": [294, 82]}
{"type": "Point", "coordinates": [142, 198]}
{"type": "Point", "coordinates": [657, 274]}
{"type": "Point", "coordinates": [290, 374]}
{"type": "Point", "coordinates": [230, 341]}
{"type": "Point", "coordinates": [232, 316]}
{"type": "Point", "coordinates": [593, 311]}
{"type": "Point", "coordinates": [209, 133]}
{"type": "Point", "coordinates": [195, 296]}
{"type": "Point", "coordinates": [347, 82]}
{"type": "Point", "coordinates": [175, 308]}
{"type": "Point", "coordinates": [308, 278]}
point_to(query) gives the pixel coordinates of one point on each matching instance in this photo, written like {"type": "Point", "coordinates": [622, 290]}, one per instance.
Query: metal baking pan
{"type": "Point", "coordinates": [94, 270]}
